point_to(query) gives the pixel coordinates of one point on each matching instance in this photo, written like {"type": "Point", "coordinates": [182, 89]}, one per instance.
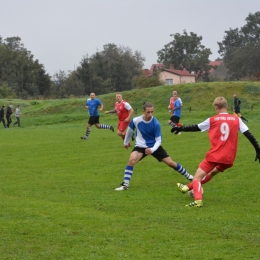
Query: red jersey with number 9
{"type": "Point", "coordinates": [223, 135]}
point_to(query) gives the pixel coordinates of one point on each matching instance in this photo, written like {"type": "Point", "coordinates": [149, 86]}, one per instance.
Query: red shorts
{"type": "Point", "coordinates": [122, 126]}
{"type": "Point", "coordinates": [207, 166]}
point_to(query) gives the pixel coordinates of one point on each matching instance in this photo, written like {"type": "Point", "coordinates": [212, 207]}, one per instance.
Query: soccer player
{"type": "Point", "coordinates": [124, 113]}
{"type": "Point", "coordinates": [176, 111]}
{"type": "Point", "coordinates": [148, 142]}
{"type": "Point", "coordinates": [237, 103]}
{"type": "Point", "coordinates": [222, 129]}
{"type": "Point", "coordinates": [92, 104]}
{"type": "Point", "coordinates": [172, 100]}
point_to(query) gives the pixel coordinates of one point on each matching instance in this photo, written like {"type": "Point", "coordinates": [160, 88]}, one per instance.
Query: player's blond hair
{"type": "Point", "coordinates": [220, 102]}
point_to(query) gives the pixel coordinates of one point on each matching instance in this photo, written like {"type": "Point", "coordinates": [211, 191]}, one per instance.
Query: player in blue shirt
{"type": "Point", "coordinates": [176, 112]}
{"type": "Point", "coordinates": [148, 142]}
{"type": "Point", "coordinates": [92, 105]}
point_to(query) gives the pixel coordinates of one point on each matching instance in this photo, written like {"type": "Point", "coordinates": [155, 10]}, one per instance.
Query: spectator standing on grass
{"type": "Point", "coordinates": [237, 103]}
{"type": "Point", "coordinates": [124, 113]}
{"type": "Point", "coordinates": [93, 104]}
{"type": "Point", "coordinates": [223, 134]}
{"type": "Point", "coordinates": [148, 142]}
{"type": "Point", "coordinates": [9, 112]}
{"type": "Point", "coordinates": [17, 116]}
{"type": "Point", "coordinates": [2, 116]}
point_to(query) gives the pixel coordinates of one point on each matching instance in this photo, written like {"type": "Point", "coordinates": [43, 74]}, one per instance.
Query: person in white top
{"type": "Point", "coordinates": [17, 116]}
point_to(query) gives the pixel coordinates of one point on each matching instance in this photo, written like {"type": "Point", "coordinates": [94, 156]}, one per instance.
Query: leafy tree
{"type": "Point", "coordinates": [5, 91]}
{"type": "Point", "coordinates": [74, 87]}
{"type": "Point", "coordinates": [110, 70]}
{"type": "Point", "coordinates": [24, 75]}
{"type": "Point", "coordinates": [240, 48]}
{"type": "Point", "coordinates": [15, 43]}
{"type": "Point", "coordinates": [59, 84]}
{"type": "Point", "coordinates": [64, 85]}
{"type": "Point", "coordinates": [186, 52]}
{"type": "Point", "coordinates": [144, 82]}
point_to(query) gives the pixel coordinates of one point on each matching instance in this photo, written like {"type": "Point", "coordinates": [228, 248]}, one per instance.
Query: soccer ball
{"type": "Point", "coordinates": [191, 193]}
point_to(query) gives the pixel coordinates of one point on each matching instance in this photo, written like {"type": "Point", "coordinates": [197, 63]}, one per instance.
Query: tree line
{"type": "Point", "coordinates": [119, 68]}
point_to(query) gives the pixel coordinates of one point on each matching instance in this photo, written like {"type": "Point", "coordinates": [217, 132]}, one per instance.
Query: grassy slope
{"type": "Point", "coordinates": [198, 96]}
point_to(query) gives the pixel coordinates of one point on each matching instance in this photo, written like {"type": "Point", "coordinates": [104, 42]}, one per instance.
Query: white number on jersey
{"type": "Point", "coordinates": [224, 129]}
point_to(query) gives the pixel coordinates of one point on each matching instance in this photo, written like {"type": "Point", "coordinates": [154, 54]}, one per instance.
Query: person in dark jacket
{"type": "Point", "coordinates": [9, 112]}
{"type": "Point", "coordinates": [2, 115]}
{"type": "Point", "coordinates": [237, 103]}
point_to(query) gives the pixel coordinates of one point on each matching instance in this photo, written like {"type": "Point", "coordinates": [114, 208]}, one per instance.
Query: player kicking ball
{"type": "Point", "coordinates": [222, 129]}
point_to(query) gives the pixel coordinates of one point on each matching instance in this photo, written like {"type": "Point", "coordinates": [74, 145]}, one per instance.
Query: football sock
{"type": "Point", "coordinates": [183, 171]}
{"type": "Point", "coordinates": [128, 174]}
{"type": "Point", "coordinates": [88, 132]}
{"type": "Point", "coordinates": [102, 126]}
{"type": "Point", "coordinates": [205, 179]}
{"type": "Point", "coordinates": [197, 190]}
{"type": "Point", "coordinates": [172, 124]}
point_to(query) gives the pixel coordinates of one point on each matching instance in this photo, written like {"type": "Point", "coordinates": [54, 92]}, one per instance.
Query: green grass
{"type": "Point", "coordinates": [57, 191]}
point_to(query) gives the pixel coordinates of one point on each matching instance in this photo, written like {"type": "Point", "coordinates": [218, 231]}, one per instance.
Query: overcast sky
{"type": "Point", "coordinates": [60, 32]}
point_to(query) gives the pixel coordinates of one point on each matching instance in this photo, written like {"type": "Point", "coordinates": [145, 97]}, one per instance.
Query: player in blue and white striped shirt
{"type": "Point", "coordinates": [148, 142]}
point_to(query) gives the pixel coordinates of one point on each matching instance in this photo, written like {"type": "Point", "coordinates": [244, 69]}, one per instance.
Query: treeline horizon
{"type": "Point", "coordinates": [119, 68]}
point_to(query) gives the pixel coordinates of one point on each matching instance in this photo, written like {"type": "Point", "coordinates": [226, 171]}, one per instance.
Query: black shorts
{"type": "Point", "coordinates": [237, 110]}
{"type": "Point", "coordinates": [159, 154]}
{"type": "Point", "coordinates": [93, 120]}
{"type": "Point", "coordinates": [175, 119]}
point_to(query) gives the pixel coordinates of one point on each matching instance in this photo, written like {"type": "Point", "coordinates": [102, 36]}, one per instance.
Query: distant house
{"type": "Point", "coordinates": [170, 76]}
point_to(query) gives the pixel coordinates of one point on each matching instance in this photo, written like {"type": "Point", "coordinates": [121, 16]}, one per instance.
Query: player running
{"type": "Point", "coordinates": [92, 104]}
{"type": "Point", "coordinates": [124, 113]}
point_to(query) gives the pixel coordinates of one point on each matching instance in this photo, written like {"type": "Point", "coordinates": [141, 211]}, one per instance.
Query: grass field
{"type": "Point", "coordinates": [57, 191]}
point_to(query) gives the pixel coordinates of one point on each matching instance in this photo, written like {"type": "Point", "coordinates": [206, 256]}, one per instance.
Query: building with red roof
{"type": "Point", "coordinates": [170, 76]}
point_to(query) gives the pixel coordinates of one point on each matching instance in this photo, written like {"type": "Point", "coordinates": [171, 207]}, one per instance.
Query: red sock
{"type": "Point", "coordinates": [190, 185]}
{"type": "Point", "coordinates": [179, 124]}
{"type": "Point", "coordinates": [197, 190]}
{"type": "Point", "coordinates": [206, 179]}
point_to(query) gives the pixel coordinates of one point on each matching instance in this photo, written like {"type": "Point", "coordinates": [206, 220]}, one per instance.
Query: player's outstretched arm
{"type": "Point", "coordinates": [254, 142]}
{"type": "Point", "coordinates": [188, 128]}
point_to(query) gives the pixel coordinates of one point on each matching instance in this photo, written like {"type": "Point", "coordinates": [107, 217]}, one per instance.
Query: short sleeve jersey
{"type": "Point", "coordinates": [223, 134]}
{"type": "Point", "coordinates": [147, 132]}
{"type": "Point", "coordinates": [172, 100]}
{"type": "Point", "coordinates": [172, 103]}
{"type": "Point", "coordinates": [93, 106]}
{"type": "Point", "coordinates": [122, 109]}
{"type": "Point", "coordinates": [177, 112]}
